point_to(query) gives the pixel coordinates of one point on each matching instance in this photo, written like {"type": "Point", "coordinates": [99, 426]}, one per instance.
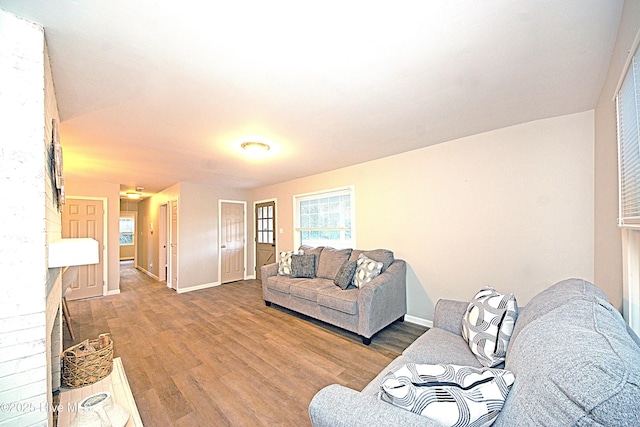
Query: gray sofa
{"type": "Point", "coordinates": [575, 361]}
{"type": "Point", "coordinates": [364, 310]}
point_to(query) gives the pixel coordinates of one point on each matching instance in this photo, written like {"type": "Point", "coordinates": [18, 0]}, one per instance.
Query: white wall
{"type": "Point", "coordinates": [512, 208]}
{"type": "Point", "coordinates": [30, 221]}
{"type": "Point", "coordinates": [198, 239]}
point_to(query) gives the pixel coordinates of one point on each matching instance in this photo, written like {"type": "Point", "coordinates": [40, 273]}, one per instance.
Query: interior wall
{"type": "Point", "coordinates": [30, 292]}
{"type": "Point", "coordinates": [148, 223]}
{"type": "Point", "coordinates": [110, 191]}
{"type": "Point", "coordinates": [608, 238]}
{"type": "Point", "coordinates": [511, 208]}
{"type": "Point", "coordinates": [198, 240]}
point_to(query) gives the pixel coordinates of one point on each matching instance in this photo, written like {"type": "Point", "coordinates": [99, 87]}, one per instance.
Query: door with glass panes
{"type": "Point", "coordinates": [265, 235]}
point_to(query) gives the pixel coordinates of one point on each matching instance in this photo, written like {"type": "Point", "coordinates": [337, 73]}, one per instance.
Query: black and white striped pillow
{"type": "Point", "coordinates": [451, 395]}
{"type": "Point", "coordinates": [488, 323]}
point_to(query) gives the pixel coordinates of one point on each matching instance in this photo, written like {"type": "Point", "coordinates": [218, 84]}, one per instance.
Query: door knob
{"type": "Point", "coordinates": [223, 246]}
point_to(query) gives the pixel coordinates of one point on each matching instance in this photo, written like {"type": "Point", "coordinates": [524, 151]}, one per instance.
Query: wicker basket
{"type": "Point", "coordinates": [81, 368]}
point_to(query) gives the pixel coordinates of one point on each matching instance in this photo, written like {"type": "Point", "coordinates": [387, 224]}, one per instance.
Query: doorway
{"type": "Point", "coordinates": [85, 218]}
{"type": "Point", "coordinates": [172, 279]}
{"type": "Point", "coordinates": [265, 216]}
{"type": "Point", "coordinates": [232, 240]}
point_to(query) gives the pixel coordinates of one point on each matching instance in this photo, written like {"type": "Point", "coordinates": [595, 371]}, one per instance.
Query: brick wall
{"type": "Point", "coordinates": [27, 222]}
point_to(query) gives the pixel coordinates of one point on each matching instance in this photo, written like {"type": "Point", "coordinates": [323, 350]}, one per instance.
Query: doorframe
{"type": "Point", "coordinates": [105, 240]}
{"type": "Point", "coordinates": [276, 231]}
{"type": "Point", "coordinates": [134, 215]}
{"type": "Point", "coordinates": [244, 210]}
{"type": "Point", "coordinates": [170, 204]}
{"type": "Point", "coordinates": [162, 239]}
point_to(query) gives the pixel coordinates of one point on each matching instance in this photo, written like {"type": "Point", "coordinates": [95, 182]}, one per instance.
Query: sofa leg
{"type": "Point", "coordinates": [401, 319]}
{"type": "Point", "coordinates": [267, 303]}
{"type": "Point", "coordinates": [366, 341]}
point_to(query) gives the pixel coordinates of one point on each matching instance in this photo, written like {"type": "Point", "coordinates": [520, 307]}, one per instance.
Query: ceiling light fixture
{"type": "Point", "coordinates": [255, 149]}
{"type": "Point", "coordinates": [135, 195]}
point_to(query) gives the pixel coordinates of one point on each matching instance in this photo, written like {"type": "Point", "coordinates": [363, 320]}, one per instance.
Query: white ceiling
{"type": "Point", "coordinates": [155, 92]}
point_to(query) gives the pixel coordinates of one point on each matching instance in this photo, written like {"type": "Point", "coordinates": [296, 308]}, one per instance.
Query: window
{"type": "Point", "coordinates": [265, 219]}
{"type": "Point", "coordinates": [627, 107]}
{"type": "Point", "coordinates": [127, 229]}
{"type": "Point", "coordinates": [627, 100]}
{"type": "Point", "coordinates": [325, 218]}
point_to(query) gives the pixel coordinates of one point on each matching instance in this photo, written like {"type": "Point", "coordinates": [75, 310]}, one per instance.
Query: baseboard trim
{"type": "Point", "coordinates": [198, 287]}
{"type": "Point", "coordinates": [113, 292]}
{"type": "Point", "coordinates": [148, 273]}
{"type": "Point", "coordinates": [418, 321]}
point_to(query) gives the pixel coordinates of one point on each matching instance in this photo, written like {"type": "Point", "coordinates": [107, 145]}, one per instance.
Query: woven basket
{"type": "Point", "coordinates": [80, 369]}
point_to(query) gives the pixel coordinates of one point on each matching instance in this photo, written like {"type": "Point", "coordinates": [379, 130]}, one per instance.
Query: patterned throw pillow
{"type": "Point", "coordinates": [344, 278]}
{"type": "Point", "coordinates": [284, 265]}
{"type": "Point", "coordinates": [451, 395]}
{"type": "Point", "coordinates": [488, 323]}
{"type": "Point", "coordinates": [303, 266]}
{"type": "Point", "coordinates": [367, 270]}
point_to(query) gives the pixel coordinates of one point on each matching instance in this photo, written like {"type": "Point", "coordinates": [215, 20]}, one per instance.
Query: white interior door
{"type": "Point", "coordinates": [173, 243]}
{"type": "Point", "coordinates": [232, 241]}
{"type": "Point", "coordinates": [162, 239]}
{"type": "Point", "coordinates": [85, 218]}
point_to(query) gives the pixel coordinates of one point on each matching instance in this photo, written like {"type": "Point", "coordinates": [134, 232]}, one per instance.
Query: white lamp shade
{"type": "Point", "coordinates": [78, 251]}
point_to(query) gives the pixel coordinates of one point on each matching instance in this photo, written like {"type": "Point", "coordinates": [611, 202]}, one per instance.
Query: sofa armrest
{"type": "Point", "coordinates": [267, 271]}
{"type": "Point", "coordinates": [383, 300]}
{"type": "Point", "coordinates": [448, 315]}
{"type": "Point", "coordinates": [338, 406]}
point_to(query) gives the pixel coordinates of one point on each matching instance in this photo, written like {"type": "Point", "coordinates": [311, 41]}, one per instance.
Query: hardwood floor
{"type": "Point", "coordinates": [220, 357]}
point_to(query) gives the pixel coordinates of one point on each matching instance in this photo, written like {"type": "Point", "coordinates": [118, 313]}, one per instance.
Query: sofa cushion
{"type": "Point", "coordinates": [303, 266]}
{"type": "Point", "coordinates": [281, 283]}
{"type": "Point", "coordinates": [575, 365]}
{"type": "Point", "coordinates": [449, 394]}
{"type": "Point", "coordinates": [338, 299]}
{"type": "Point", "coordinates": [384, 256]}
{"type": "Point", "coordinates": [330, 262]}
{"type": "Point", "coordinates": [308, 288]}
{"type": "Point", "coordinates": [344, 278]}
{"type": "Point", "coordinates": [308, 250]}
{"type": "Point", "coordinates": [284, 263]}
{"type": "Point", "coordinates": [488, 323]}
{"type": "Point", "coordinates": [367, 270]}
{"type": "Point", "coordinates": [553, 297]}
{"type": "Point", "coordinates": [441, 346]}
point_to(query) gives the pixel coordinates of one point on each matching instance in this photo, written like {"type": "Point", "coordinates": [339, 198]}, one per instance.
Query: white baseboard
{"type": "Point", "coordinates": [114, 292]}
{"type": "Point", "coordinates": [249, 277]}
{"type": "Point", "coordinates": [418, 321]}
{"type": "Point", "coordinates": [197, 287]}
{"type": "Point", "coordinates": [148, 273]}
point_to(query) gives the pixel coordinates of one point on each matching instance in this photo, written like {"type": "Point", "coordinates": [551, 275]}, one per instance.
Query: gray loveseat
{"type": "Point", "coordinates": [575, 361]}
{"type": "Point", "coordinates": [364, 310]}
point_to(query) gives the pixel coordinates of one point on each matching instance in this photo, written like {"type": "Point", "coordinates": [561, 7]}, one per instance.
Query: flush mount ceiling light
{"type": "Point", "coordinates": [255, 149]}
{"type": "Point", "coordinates": [135, 194]}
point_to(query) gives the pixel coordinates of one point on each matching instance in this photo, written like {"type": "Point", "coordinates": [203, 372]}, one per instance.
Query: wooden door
{"type": "Point", "coordinates": [265, 235]}
{"type": "Point", "coordinates": [232, 247]}
{"type": "Point", "coordinates": [84, 218]}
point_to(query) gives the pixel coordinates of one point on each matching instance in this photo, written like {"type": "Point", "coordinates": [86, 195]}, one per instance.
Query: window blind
{"type": "Point", "coordinates": [627, 105]}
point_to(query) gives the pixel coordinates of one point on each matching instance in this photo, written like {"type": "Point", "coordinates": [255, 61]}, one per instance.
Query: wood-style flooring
{"type": "Point", "coordinates": [220, 357]}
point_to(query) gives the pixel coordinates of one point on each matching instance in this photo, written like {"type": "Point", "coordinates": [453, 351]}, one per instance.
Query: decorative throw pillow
{"type": "Point", "coordinates": [344, 278]}
{"type": "Point", "coordinates": [451, 395]}
{"type": "Point", "coordinates": [488, 323]}
{"type": "Point", "coordinates": [303, 266]}
{"type": "Point", "coordinates": [284, 265]}
{"type": "Point", "coordinates": [367, 270]}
